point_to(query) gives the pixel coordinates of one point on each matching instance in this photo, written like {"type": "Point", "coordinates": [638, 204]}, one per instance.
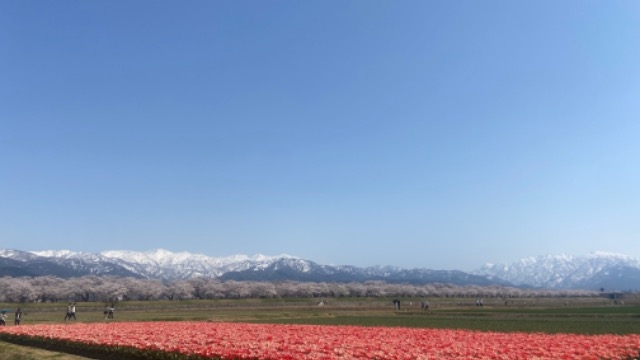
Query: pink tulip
{"type": "Point", "coordinates": [280, 342]}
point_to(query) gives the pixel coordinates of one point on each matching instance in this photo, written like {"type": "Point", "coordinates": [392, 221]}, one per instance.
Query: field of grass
{"type": "Point", "coordinates": [17, 352]}
{"type": "Point", "coordinates": [549, 315]}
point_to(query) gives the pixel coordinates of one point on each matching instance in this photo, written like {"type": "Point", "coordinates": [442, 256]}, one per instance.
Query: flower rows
{"type": "Point", "coordinates": [267, 342]}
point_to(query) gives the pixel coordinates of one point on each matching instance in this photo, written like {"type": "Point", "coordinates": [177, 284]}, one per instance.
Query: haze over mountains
{"type": "Point", "coordinates": [592, 271]}
{"type": "Point", "coordinates": [613, 272]}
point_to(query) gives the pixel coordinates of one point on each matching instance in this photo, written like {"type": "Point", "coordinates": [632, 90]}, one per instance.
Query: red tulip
{"type": "Point", "coordinates": [284, 342]}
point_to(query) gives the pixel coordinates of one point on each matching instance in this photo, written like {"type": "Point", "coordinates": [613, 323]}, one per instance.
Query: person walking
{"type": "Point", "coordinates": [68, 314]}
{"type": "Point", "coordinates": [73, 312]}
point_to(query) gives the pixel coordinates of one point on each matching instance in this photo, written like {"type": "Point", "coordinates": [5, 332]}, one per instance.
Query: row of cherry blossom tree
{"type": "Point", "coordinates": [107, 288]}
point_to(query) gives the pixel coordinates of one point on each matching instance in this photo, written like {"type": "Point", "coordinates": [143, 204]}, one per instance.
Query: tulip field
{"type": "Point", "coordinates": [209, 340]}
{"type": "Point", "coordinates": [260, 330]}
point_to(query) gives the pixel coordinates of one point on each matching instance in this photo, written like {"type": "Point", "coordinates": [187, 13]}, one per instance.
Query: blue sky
{"type": "Point", "coordinates": [437, 134]}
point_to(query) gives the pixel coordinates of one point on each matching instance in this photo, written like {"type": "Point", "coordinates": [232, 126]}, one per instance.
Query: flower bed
{"type": "Point", "coordinates": [198, 340]}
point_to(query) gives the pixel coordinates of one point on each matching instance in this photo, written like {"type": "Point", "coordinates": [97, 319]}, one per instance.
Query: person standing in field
{"type": "Point", "coordinates": [3, 318]}
{"type": "Point", "coordinates": [68, 315]}
{"type": "Point", "coordinates": [108, 312]}
{"type": "Point", "coordinates": [73, 311]}
{"type": "Point", "coordinates": [18, 317]}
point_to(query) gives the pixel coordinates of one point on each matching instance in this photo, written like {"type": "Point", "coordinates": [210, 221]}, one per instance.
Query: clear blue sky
{"type": "Point", "coordinates": [436, 134]}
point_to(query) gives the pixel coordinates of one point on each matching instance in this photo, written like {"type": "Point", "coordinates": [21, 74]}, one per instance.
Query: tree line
{"type": "Point", "coordinates": [110, 288]}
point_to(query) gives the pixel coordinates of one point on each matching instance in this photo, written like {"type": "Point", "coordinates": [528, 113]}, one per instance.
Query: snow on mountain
{"type": "Point", "coordinates": [166, 257]}
{"type": "Point", "coordinates": [592, 271]}
{"type": "Point", "coordinates": [17, 255]}
{"type": "Point", "coordinates": [161, 263]}
{"type": "Point", "coordinates": [166, 265]}
{"type": "Point", "coordinates": [55, 253]}
{"type": "Point", "coordinates": [559, 271]}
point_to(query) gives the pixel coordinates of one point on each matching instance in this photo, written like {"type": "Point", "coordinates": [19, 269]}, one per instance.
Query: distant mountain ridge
{"type": "Point", "coordinates": [593, 271]}
{"type": "Point", "coordinates": [162, 264]}
{"type": "Point", "coordinates": [166, 265]}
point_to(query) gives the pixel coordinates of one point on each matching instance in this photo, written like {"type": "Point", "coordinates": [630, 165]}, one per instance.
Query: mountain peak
{"type": "Point", "coordinates": [54, 253]}
{"type": "Point", "coordinates": [606, 254]}
{"type": "Point", "coordinates": [563, 271]}
{"type": "Point", "coordinates": [166, 265]}
{"type": "Point", "coordinates": [592, 271]}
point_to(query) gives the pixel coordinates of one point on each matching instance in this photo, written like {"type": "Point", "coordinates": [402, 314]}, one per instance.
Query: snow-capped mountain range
{"type": "Point", "coordinates": [159, 263]}
{"type": "Point", "coordinates": [592, 271]}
